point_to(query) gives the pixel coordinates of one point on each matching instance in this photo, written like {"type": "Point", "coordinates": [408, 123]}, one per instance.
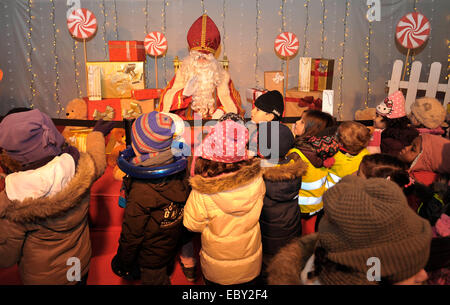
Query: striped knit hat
{"type": "Point", "coordinates": [151, 134]}
{"type": "Point", "coordinates": [367, 218]}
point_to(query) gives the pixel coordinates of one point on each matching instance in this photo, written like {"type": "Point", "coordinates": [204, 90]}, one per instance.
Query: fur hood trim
{"type": "Point", "coordinates": [30, 210]}
{"type": "Point", "coordinates": [284, 172]}
{"type": "Point", "coordinates": [227, 182]}
{"type": "Point", "coordinates": [286, 266]}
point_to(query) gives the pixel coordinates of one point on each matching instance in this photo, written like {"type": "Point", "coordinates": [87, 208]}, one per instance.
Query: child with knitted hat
{"type": "Point", "coordinates": [428, 116]}
{"type": "Point", "coordinates": [152, 222]}
{"type": "Point", "coordinates": [280, 219]}
{"type": "Point", "coordinates": [341, 252]}
{"type": "Point", "coordinates": [394, 125]}
{"type": "Point", "coordinates": [44, 206]}
{"type": "Point", "coordinates": [428, 202]}
{"type": "Point", "coordinates": [268, 107]}
{"type": "Point", "coordinates": [225, 206]}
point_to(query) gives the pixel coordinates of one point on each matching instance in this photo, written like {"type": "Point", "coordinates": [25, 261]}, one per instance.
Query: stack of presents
{"type": "Point", "coordinates": [116, 88]}
{"type": "Point", "coordinates": [314, 90]}
{"type": "Point", "coordinates": [116, 91]}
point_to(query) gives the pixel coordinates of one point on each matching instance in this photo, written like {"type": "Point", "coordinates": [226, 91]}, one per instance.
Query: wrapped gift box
{"type": "Point", "coordinates": [146, 94]}
{"type": "Point", "coordinates": [304, 74]}
{"type": "Point", "coordinates": [274, 80]}
{"type": "Point", "coordinates": [77, 137]}
{"type": "Point", "coordinates": [294, 103]}
{"type": "Point", "coordinates": [131, 108]}
{"type": "Point", "coordinates": [321, 74]}
{"type": "Point", "coordinates": [252, 94]}
{"type": "Point", "coordinates": [124, 50]}
{"type": "Point", "coordinates": [118, 79]}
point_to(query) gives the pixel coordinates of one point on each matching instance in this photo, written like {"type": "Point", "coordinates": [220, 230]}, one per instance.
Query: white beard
{"type": "Point", "coordinates": [209, 76]}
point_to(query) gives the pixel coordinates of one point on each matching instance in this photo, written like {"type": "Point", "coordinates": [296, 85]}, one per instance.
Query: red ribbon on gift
{"type": "Point", "coordinates": [316, 73]}
{"type": "Point", "coordinates": [310, 102]}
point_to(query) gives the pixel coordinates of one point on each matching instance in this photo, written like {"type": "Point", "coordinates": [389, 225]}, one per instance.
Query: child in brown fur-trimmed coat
{"type": "Point", "coordinates": [44, 207]}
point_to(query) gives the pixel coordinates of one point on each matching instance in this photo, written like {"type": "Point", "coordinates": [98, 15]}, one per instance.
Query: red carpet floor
{"type": "Point", "coordinates": [105, 218]}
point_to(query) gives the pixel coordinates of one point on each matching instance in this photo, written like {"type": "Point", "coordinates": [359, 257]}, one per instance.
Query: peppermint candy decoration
{"type": "Point", "coordinates": [286, 44]}
{"type": "Point", "coordinates": [412, 30]}
{"type": "Point", "coordinates": [155, 43]}
{"type": "Point", "coordinates": [82, 23]}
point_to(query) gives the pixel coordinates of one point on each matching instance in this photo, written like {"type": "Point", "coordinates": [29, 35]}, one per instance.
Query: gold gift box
{"type": "Point", "coordinates": [119, 78]}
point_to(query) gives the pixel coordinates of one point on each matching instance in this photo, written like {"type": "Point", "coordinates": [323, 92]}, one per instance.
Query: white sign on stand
{"type": "Point", "coordinates": [327, 101]}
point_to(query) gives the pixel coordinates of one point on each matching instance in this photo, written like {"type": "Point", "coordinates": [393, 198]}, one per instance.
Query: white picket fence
{"type": "Point", "coordinates": [431, 87]}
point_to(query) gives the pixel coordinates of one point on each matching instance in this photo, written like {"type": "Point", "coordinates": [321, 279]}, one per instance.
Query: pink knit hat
{"type": "Point", "coordinates": [393, 107]}
{"type": "Point", "coordinates": [227, 143]}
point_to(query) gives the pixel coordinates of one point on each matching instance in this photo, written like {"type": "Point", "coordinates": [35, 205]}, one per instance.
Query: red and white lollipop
{"type": "Point", "coordinates": [82, 23]}
{"type": "Point", "coordinates": [413, 30]}
{"type": "Point", "coordinates": [286, 44]}
{"type": "Point", "coordinates": [155, 43]}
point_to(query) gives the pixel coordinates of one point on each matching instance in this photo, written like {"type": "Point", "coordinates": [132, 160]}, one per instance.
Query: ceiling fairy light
{"type": "Point", "coordinates": [30, 54]}
{"type": "Point", "coordinates": [163, 30]}
{"type": "Point", "coordinates": [305, 31]}
{"type": "Point", "coordinates": [257, 49]}
{"type": "Point", "coordinates": [55, 67]}
{"type": "Point", "coordinates": [116, 24]}
{"type": "Point", "coordinates": [341, 58]}
{"type": "Point", "coordinates": [105, 43]}
{"type": "Point", "coordinates": [367, 61]}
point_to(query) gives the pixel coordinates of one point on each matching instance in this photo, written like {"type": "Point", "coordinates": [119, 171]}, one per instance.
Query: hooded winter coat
{"type": "Point", "coordinates": [280, 215]}
{"type": "Point", "coordinates": [226, 210]}
{"type": "Point", "coordinates": [44, 235]}
{"type": "Point", "coordinates": [152, 223]}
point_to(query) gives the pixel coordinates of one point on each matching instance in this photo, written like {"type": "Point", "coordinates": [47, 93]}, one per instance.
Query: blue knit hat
{"type": "Point", "coordinates": [151, 134]}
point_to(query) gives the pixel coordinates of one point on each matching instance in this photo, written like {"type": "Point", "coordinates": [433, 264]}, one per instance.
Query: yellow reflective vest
{"type": "Point", "coordinates": [345, 164]}
{"type": "Point", "coordinates": [313, 186]}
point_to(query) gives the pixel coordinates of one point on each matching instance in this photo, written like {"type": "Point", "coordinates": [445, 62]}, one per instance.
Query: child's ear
{"type": "Point", "coordinates": [270, 116]}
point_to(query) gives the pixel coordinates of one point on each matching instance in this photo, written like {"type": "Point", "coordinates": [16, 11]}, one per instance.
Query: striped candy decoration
{"type": "Point", "coordinates": [286, 44]}
{"type": "Point", "coordinates": [82, 23]}
{"type": "Point", "coordinates": [155, 43]}
{"type": "Point", "coordinates": [413, 30]}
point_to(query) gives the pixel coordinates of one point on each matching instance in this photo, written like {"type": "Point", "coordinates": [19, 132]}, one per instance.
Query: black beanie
{"type": "Point", "coordinates": [271, 102]}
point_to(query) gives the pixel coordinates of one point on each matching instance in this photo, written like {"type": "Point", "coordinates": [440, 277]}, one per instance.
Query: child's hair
{"type": "Point", "coordinates": [232, 116]}
{"type": "Point", "coordinates": [209, 168]}
{"type": "Point", "coordinates": [384, 166]}
{"type": "Point", "coordinates": [402, 122]}
{"type": "Point", "coordinates": [353, 136]}
{"type": "Point", "coordinates": [316, 121]}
